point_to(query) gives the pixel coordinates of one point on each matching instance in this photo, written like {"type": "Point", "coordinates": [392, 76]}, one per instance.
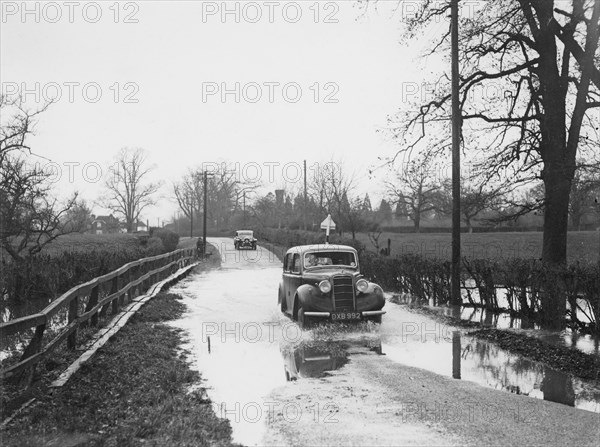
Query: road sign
{"type": "Point", "coordinates": [328, 223]}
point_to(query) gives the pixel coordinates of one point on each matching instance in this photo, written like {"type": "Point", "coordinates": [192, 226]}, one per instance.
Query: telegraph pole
{"type": "Point", "coordinates": [205, 208]}
{"type": "Point", "coordinates": [456, 126]}
{"type": "Point", "coordinates": [244, 205]}
{"type": "Point", "coordinates": [305, 198]}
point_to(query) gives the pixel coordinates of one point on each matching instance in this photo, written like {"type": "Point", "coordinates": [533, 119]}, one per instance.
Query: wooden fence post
{"type": "Point", "coordinates": [143, 284]}
{"type": "Point", "coordinates": [113, 289]}
{"type": "Point", "coordinates": [131, 289]}
{"type": "Point", "coordinates": [73, 315]}
{"type": "Point", "coordinates": [91, 303]}
{"type": "Point", "coordinates": [35, 346]}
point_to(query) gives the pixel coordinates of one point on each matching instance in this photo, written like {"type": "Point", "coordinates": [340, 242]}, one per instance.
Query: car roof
{"type": "Point", "coordinates": [320, 247]}
{"type": "Point", "coordinates": [242, 231]}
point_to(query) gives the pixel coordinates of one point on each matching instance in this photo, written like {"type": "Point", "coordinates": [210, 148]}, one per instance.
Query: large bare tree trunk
{"type": "Point", "coordinates": [559, 168]}
{"type": "Point", "coordinates": [417, 222]}
{"type": "Point", "coordinates": [556, 219]}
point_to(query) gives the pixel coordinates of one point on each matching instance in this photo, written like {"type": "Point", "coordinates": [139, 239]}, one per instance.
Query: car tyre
{"type": "Point", "coordinates": [376, 319]}
{"type": "Point", "coordinates": [303, 321]}
{"type": "Point", "coordinates": [281, 302]}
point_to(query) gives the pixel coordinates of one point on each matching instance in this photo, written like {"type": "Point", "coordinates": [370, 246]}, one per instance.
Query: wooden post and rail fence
{"type": "Point", "coordinates": [122, 285]}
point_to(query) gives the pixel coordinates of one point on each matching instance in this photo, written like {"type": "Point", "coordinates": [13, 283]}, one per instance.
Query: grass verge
{"type": "Point", "coordinates": [136, 390]}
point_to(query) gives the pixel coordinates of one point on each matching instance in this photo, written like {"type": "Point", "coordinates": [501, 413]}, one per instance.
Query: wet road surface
{"type": "Point", "coordinates": [358, 385]}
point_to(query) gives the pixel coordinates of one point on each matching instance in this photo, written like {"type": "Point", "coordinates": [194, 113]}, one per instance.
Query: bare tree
{"type": "Point", "coordinates": [128, 188]}
{"type": "Point", "coordinates": [189, 193]}
{"type": "Point", "coordinates": [330, 187]}
{"type": "Point", "coordinates": [30, 218]}
{"type": "Point", "coordinates": [225, 194]}
{"type": "Point", "coordinates": [584, 191]}
{"type": "Point", "coordinates": [475, 199]}
{"type": "Point", "coordinates": [416, 186]}
{"type": "Point", "coordinates": [356, 217]}
{"type": "Point", "coordinates": [265, 210]}
{"type": "Point", "coordinates": [545, 60]}
{"type": "Point", "coordinates": [78, 218]}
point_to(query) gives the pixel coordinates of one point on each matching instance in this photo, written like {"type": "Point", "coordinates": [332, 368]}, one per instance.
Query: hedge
{"type": "Point", "coordinates": [532, 289]}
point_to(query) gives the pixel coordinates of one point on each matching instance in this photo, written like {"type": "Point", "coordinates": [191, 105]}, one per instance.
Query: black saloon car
{"type": "Point", "coordinates": [323, 282]}
{"type": "Point", "coordinates": [244, 239]}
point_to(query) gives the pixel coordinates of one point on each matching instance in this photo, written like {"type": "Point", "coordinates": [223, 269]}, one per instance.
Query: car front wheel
{"type": "Point", "coordinates": [303, 321]}
{"type": "Point", "coordinates": [375, 319]}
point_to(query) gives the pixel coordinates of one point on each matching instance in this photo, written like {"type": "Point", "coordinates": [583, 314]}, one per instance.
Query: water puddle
{"type": "Point", "coordinates": [315, 359]}
{"type": "Point", "coordinates": [418, 341]}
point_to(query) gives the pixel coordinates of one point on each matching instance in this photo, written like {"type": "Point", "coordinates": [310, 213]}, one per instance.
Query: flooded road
{"type": "Point", "coordinates": [357, 385]}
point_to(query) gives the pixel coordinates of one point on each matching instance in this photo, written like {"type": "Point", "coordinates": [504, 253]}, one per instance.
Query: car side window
{"type": "Point", "coordinates": [296, 263]}
{"type": "Point", "coordinates": [287, 262]}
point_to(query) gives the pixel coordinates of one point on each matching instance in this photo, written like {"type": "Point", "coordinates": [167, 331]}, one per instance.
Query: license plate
{"type": "Point", "coordinates": [345, 316]}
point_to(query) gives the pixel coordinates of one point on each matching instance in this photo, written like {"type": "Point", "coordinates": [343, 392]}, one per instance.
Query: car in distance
{"type": "Point", "coordinates": [244, 239]}
{"type": "Point", "coordinates": [324, 283]}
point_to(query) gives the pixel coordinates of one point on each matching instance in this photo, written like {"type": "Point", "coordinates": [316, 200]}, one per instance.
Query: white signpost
{"type": "Point", "coordinates": [327, 225]}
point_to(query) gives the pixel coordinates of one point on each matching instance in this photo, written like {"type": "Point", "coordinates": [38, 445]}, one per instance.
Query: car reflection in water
{"type": "Point", "coordinates": [315, 358]}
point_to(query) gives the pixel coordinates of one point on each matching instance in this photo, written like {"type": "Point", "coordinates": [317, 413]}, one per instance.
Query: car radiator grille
{"type": "Point", "coordinates": [343, 293]}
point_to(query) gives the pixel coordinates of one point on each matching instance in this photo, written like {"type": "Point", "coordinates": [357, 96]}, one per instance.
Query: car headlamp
{"type": "Point", "coordinates": [362, 285]}
{"type": "Point", "coordinates": [325, 286]}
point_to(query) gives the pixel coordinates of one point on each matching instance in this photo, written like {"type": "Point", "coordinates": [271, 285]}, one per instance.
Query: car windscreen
{"type": "Point", "coordinates": [245, 233]}
{"type": "Point", "coordinates": [326, 258]}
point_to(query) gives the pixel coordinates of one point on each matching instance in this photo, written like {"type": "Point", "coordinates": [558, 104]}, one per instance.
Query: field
{"type": "Point", "coordinates": [581, 246]}
{"type": "Point", "coordinates": [86, 242]}
{"type": "Point", "coordinates": [78, 242]}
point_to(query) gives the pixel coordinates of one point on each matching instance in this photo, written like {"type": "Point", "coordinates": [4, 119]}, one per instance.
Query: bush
{"type": "Point", "coordinates": [532, 290]}
{"type": "Point", "coordinates": [169, 238]}
{"type": "Point", "coordinates": [156, 244]}
{"type": "Point", "coordinates": [41, 278]}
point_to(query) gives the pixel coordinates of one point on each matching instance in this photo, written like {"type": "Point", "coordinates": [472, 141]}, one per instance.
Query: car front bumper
{"type": "Point", "coordinates": [365, 313]}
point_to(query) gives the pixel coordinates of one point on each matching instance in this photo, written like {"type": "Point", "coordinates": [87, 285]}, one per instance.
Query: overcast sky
{"type": "Point", "coordinates": [305, 80]}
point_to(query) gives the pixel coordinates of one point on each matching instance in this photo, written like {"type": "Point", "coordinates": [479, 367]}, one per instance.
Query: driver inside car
{"type": "Point", "coordinates": [310, 260]}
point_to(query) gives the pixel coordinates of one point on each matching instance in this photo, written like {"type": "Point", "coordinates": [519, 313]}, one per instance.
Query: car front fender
{"type": "Point", "coordinates": [306, 294]}
{"type": "Point", "coordinates": [372, 299]}
{"type": "Point", "coordinates": [311, 299]}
